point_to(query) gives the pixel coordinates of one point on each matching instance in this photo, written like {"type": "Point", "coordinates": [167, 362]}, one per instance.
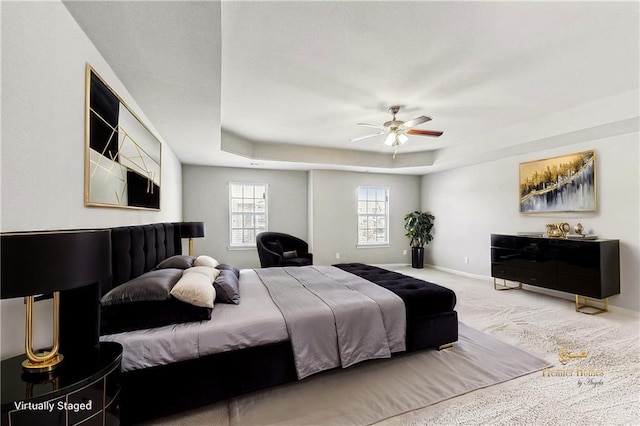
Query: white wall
{"type": "Point", "coordinates": [335, 209]}
{"type": "Point", "coordinates": [44, 53]}
{"type": "Point", "coordinates": [473, 202]}
{"type": "Point", "coordinates": [206, 198]}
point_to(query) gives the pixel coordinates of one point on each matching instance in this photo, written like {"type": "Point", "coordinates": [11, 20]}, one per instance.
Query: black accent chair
{"type": "Point", "coordinates": [278, 249]}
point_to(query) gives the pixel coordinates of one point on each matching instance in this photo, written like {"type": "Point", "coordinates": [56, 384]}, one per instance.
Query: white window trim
{"type": "Point", "coordinates": [243, 246]}
{"type": "Point", "coordinates": [381, 244]}
{"type": "Point", "coordinates": [373, 245]}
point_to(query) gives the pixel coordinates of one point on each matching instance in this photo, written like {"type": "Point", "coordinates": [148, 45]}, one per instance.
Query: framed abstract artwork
{"type": "Point", "coordinates": [122, 156]}
{"type": "Point", "coordinates": [560, 184]}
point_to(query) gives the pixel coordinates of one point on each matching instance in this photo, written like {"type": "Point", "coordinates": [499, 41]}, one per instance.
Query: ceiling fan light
{"type": "Point", "coordinates": [390, 140]}
{"type": "Point", "coordinates": [402, 138]}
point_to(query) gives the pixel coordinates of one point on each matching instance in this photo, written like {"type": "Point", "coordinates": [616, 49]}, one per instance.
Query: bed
{"type": "Point", "coordinates": [204, 354]}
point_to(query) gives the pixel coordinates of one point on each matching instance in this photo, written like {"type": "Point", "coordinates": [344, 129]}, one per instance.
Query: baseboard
{"type": "Point", "coordinates": [391, 265]}
{"type": "Point", "coordinates": [456, 272]}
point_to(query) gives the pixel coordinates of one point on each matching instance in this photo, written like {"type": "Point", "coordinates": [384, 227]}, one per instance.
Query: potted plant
{"type": "Point", "coordinates": [418, 226]}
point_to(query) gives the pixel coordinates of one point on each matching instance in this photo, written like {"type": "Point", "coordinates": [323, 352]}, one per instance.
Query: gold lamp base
{"type": "Point", "coordinates": [42, 367]}
{"type": "Point", "coordinates": [45, 360]}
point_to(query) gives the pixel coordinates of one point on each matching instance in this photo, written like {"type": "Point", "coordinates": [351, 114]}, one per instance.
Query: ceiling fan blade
{"type": "Point", "coordinates": [416, 121]}
{"type": "Point", "coordinates": [434, 133]}
{"type": "Point", "coordinates": [375, 126]}
{"type": "Point", "coordinates": [365, 137]}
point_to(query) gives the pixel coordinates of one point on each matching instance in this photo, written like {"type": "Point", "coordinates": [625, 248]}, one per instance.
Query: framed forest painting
{"type": "Point", "coordinates": [560, 184]}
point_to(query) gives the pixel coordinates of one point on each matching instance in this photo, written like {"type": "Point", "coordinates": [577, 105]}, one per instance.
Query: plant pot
{"type": "Point", "coordinates": [417, 257]}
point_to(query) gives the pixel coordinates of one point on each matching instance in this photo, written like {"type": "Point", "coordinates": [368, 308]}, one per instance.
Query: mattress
{"type": "Point", "coordinates": [255, 321]}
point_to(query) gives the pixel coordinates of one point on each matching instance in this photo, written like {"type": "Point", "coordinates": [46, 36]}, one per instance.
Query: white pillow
{"type": "Point", "coordinates": [211, 273]}
{"type": "Point", "coordinates": [195, 289]}
{"type": "Point", "coordinates": [206, 261]}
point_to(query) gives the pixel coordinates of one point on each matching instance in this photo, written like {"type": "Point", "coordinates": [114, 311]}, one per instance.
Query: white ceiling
{"type": "Point", "coordinates": [283, 84]}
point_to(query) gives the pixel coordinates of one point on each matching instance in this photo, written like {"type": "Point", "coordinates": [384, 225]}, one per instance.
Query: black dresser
{"type": "Point", "coordinates": [586, 268]}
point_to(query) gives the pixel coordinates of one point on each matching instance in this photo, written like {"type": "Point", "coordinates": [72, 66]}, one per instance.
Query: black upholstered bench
{"type": "Point", "coordinates": [431, 317]}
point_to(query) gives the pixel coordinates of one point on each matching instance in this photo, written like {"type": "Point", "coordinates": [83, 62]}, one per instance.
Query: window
{"type": "Point", "coordinates": [248, 212]}
{"type": "Point", "coordinates": [373, 215]}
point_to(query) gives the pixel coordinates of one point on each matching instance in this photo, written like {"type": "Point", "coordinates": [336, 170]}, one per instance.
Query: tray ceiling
{"type": "Point", "coordinates": [283, 84]}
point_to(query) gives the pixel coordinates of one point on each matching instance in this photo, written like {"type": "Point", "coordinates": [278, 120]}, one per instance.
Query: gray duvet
{"type": "Point", "coordinates": [335, 318]}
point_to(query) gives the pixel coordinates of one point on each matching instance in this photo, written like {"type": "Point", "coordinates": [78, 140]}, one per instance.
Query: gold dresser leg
{"type": "Point", "coordinates": [586, 308]}
{"type": "Point", "coordinates": [445, 346]}
{"type": "Point", "coordinates": [504, 286]}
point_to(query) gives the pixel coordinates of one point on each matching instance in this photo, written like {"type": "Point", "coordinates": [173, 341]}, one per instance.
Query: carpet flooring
{"type": "Point", "coordinates": [601, 388]}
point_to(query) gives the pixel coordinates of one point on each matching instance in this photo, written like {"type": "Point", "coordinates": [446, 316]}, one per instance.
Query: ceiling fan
{"type": "Point", "coordinates": [397, 130]}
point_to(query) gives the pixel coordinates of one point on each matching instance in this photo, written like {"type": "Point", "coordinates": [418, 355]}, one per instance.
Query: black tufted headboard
{"type": "Point", "coordinates": [134, 251]}
{"type": "Point", "coordinates": [139, 248]}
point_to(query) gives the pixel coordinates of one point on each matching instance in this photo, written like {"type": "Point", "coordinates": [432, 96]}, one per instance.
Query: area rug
{"type": "Point", "coordinates": [376, 390]}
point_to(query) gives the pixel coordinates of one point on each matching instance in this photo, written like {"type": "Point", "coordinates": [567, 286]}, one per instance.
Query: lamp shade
{"type": "Point", "coordinates": [192, 229]}
{"type": "Point", "coordinates": [46, 261]}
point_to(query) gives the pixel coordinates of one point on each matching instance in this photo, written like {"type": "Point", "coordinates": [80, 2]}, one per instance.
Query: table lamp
{"type": "Point", "coordinates": [44, 262]}
{"type": "Point", "coordinates": [191, 230]}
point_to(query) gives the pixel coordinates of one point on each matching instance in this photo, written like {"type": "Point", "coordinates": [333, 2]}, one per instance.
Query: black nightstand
{"type": "Point", "coordinates": [84, 389]}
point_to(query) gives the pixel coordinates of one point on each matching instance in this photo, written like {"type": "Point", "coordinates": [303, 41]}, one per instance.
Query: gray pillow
{"type": "Point", "coordinates": [152, 286]}
{"type": "Point", "coordinates": [178, 261]}
{"type": "Point", "coordinates": [224, 266]}
{"type": "Point", "coordinates": [289, 254]}
{"type": "Point", "coordinates": [227, 287]}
